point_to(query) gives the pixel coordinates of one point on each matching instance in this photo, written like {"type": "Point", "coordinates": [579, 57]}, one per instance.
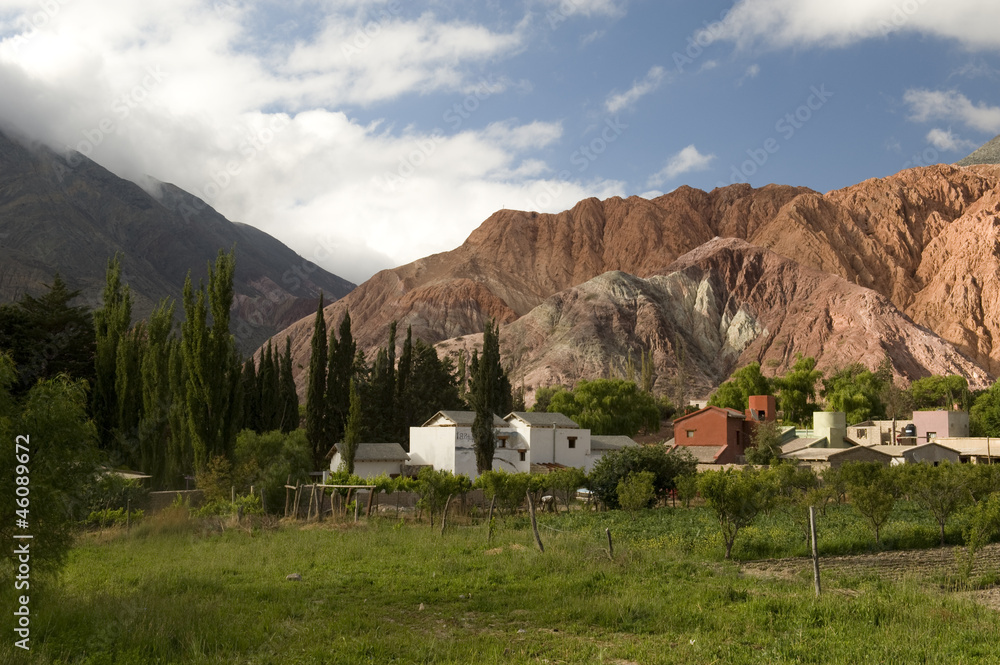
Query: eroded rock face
{"type": "Point", "coordinates": [924, 240]}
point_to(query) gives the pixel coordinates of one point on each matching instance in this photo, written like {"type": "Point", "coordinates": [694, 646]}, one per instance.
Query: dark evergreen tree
{"type": "Point", "coordinates": [352, 431]}
{"type": "Point", "coordinates": [316, 427]}
{"type": "Point", "coordinates": [268, 382]}
{"type": "Point", "coordinates": [490, 392]}
{"type": "Point", "coordinates": [251, 397]}
{"type": "Point", "coordinates": [404, 395]}
{"type": "Point", "coordinates": [128, 388]}
{"type": "Point", "coordinates": [287, 396]}
{"type": "Point", "coordinates": [381, 399]}
{"type": "Point", "coordinates": [432, 386]}
{"type": "Point", "coordinates": [180, 453]}
{"type": "Point", "coordinates": [342, 354]}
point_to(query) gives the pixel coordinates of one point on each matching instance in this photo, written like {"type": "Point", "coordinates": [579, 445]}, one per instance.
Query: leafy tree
{"type": "Point", "coordinates": [352, 433]}
{"type": "Point", "coordinates": [58, 453]}
{"type": "Point", "coordinates": [435, 487]}
{"type": "Point", "coordinates": [873, 491]}
{"type": "Point", "coordinates": [736, 392]}
{"type": "Point", "coordinates": [737, 497]}
{"type": "Point", "coordinates": [984, 418]}
{"type": "Point", "coordinates": [608, 406]}
{"type": "Point", "coordinates": [856, 391]}
{"type": "Point", "coordinates": [212, 363]}
{"type": "Point", "coordinates": [797, 390]}
{"type": "Point", "coordinates": [249, 386]}
{"type": "Point", "coordinates": [616, 465]}
{"type": "Point", "coordinates": [268, 460]}
{"type": "Point", "coordinates": [316, 389]}
{"type": "Point", "coordinates": [766, 442]}
{"type": "Point", "coordinates": [180, 453]}
{"type": "Point", "coordinates": [288, 398]}
{"type": "Point", "coordinates": [898, 402]}
{"type": "Point", "coordinates": [490, 393]}
{"type": "Point", "coordinates": [687, 488]}
{"type": "Point", "coordinates": [111, 325]}
{"type": "Point", "coordinates": [942, 489]}
{"type": "Point", "coordinates": [380, 401]}
{"type": "Point", "coordinates": [543, 398]}
{"type": "Point", "coordinates": [636, 492]}
{"type": "Point", "coordinates": [940, 392]}
{"type": "Point", "coordinates": [567, 481]}
{"type": "Point", "coordinates": [509, 489]}
{"type": "Point", "coordinates": [981, 528]}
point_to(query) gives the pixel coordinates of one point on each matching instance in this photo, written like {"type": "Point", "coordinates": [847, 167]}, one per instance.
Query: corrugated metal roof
{"type": "Point", "coordinates": [611, 442]}
{"type": "Point", "coordinates": [543, 419]}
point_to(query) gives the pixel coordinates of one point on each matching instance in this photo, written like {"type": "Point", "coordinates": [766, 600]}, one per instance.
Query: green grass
{"type": "Point", "coordinates": [179, 594]}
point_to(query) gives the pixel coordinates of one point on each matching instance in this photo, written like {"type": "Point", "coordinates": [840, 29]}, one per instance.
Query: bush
{"type": "Point", "coordinates": [113, 517]}
{"type": "Point", "coordinates": [109, 491]}
{"type": "Point", "coordinates": [243, 505]}
{"type": "Point", "coordinates": [635, 491]}
{"type": "Point", "coordinates": [508, 488]}
{"type": "Point", "coordinates": [266, 461]}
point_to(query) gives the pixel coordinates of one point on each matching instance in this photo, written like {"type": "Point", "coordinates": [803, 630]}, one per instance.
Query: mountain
{"type": "Point", "coordinates": [70, 214]}
{"type": "Point", "coordinates": [988, 153]}
{"type": "Point", "coordinates": [726, 303]}
{"type": "Point", "coordinates": [924, 239]}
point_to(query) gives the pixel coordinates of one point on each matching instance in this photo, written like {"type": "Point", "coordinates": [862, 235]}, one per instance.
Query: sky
{"type": "Point", "coordinates": [366, 134]}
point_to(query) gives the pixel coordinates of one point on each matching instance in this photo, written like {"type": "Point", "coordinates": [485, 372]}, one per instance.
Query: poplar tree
{"type": "Point", "coordinates": [111, 324]}
{"type": "Point", "coordinates": [180, 453]}
{"type": "Point", "coordinates": [251, 397]}
{"type": "Point", "coordinates": [403, 397]}
{"type": "Point", "coordinates": [381, 401]}
{"type": "Point", "coordinates": [128, 388]}
{"type": "Point", "coordinates": [154, 427]}
{"type": "Point", "coordinates": [267, 391]}
{"type": "Point", "coordinates": [288, 398]}
{"type": "Point", "coordinates": [316, 389]}
{"type": "Point", "coordinates": [211, 362]}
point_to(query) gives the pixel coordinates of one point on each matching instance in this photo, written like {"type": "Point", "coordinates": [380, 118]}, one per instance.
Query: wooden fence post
{"type": "Point", "coordinates": [534, 524]}
{"type": "Point", "coordinates": [815, 550]}
{"type": "Point", "coordinates": [611, 547]}
{"type": "Point", "coordinates": [444, 515]}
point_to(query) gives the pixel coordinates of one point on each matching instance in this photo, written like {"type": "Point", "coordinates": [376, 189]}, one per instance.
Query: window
{"type": "Point", "coordinates": [862, 434]}
{"type": "Point", "coordinates": [523, 454]}
{"type": "Point", "coordinates": [501, 442]}
{"type": "Point", "coordinates": [690, 433]}
{"type": "Point", "coordinates": [931, 435]}
{"type": "Point", "coordinates": [572, 441]}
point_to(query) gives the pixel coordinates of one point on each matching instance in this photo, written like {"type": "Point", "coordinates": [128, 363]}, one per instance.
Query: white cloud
{"type": "Point", "coordinates": [945, 139]}
{"type": "Point", "coordinates": [618, 101]}
{"type": "Point", "coordinates": [951, 105]}
{"type": "Point", "coordinates": [567, 8]}
{"type": "Point", "coordinates": [685, 161]}
{"type": "Point", "coordinates": [751, 72]}
{"type": "Point", "coordinates": [264, 133]}
{"type": "Point", "coordinates": [784, 23]}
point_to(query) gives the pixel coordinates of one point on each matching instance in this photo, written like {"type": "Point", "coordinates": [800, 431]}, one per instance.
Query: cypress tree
{"type": "Point", "coordinates": [490, 393]}
{"type": "Point", "coordinates": [382, 392]}
{"type": "Point", "coordinates": [288, 398]}
{"type": "Point", "coordinates": [251, 397]}
{"type": "Point", "coordinates": [403, 398]}
{"type": "Point", "coordinates": [267, 390]}
{"type": "Point", "coordinates": [316, 427]}
{"type": "Point", "coordinates": [342, 360]}
{"type": "Point", "coordinates": [352, 431]}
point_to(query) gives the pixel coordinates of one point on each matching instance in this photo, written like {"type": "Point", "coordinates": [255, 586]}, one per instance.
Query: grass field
{"type": "Point", "coordinates": [388, 592]}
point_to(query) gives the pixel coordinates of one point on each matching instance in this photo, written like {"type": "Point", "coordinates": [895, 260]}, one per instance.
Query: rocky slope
{"type": "Point", "coordinates": [724, 304]}
{"type": "Point", "coordinates": [915, 238]}
{"type": "Point", "coordinates": [71, 215]}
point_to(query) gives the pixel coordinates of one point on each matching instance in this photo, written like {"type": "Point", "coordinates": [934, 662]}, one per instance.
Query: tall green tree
{"type": "Point", "coordinates": [737, 498]}
{"type": "Point", "coordinates": [381, 397]}
{"type": "Point", "coordinates": [212, 363]}
{"type": "Point", "coordinates": [490, 392]}
{"type": "Point", "coordinates": [873, 490]}
{"type": "Point", "coordinates": [404, 397]}
{"type": "Point", "coordinates": [251, 397]}
{"type": "Point", "coordinates": [352, 432]}
{"type": "Point", "coordinates": [154, 427]}
{"type": "Point", "coordinates": [111, 324]}
{"type": "Point", "coordinates": [180, 453]}
{"type": "Point", "coordinates": [342, 356]}
{"type": "Point", "coordinates": [856, 391]}
{"type": "Point", "coordinates": [268, 384]}
{"type": "Point", "coordinates": [128, 387]}
{"type": "Point", "coordinates": [742, 384]}
{"type": "Point", "coordinates": [288, 398]}
{"type": "Point", "coordinates": [940, 392]}
{"type": "Point", "coordinates": [984, 417]}
{"type": "Point", "coordinates": [316, 390]}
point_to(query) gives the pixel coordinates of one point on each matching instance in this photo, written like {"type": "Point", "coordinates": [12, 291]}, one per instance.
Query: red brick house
{"type": "Point", "coordinates": [715, 435]}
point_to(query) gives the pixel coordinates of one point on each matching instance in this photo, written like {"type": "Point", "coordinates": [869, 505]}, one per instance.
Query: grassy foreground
{"type": "Point", "coordinates": [387, 592]}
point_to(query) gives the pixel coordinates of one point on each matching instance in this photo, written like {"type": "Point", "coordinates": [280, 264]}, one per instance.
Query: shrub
{"type": "Point", "coordinates": [617, 465]}
{"type": "Point", "coordinates": [635, 491]}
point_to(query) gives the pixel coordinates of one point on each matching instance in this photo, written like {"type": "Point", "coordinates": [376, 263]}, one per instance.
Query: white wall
{"type": "Point", "coordinates": [452, 449]}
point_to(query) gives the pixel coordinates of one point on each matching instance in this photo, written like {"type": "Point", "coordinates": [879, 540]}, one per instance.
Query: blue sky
{"type": "Point", "coordinates": [369, 133]}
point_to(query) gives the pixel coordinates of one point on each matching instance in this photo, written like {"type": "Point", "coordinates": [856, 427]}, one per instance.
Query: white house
{"type": "Point", "coordinates": [374, 459]}
{"type": "Point", "coordinates": [524, 440]}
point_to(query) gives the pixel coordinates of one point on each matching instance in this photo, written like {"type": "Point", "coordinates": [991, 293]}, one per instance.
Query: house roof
{"type": "Point", "coordinates": [731, 413]}
{"type": "Point", "coordinates": [703, 454]}
{"type": "Point", "coordinates": [800, 443]}
{"type": "Point", "coordinates": [379, 452]}
{"type": "Point", "coordinates": [543, 419]}
{"type": "Point", "coordinates": [899, 451]}
{"type": "Point", "coordinates": [462, 419]}
{"type": "Point", "coordinates": [611, 442]}
{"type": "Point", "coordinates": [821, 454]}
{"type": "Point", "coordinates": [971, 446]}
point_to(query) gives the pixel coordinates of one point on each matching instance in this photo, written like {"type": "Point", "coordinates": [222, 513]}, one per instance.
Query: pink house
{"type": "Point", "coordinates": [934, 424]}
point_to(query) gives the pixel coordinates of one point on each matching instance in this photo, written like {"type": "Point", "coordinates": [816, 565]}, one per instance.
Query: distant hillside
{"type": "Point", "coordinates": [71, 215]}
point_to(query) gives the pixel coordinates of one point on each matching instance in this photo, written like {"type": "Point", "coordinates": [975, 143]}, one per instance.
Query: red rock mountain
{"type": "Point", "coordinates": [924, 239]}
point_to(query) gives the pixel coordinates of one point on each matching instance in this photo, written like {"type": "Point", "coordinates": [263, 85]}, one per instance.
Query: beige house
{"type": "Point", "coordinates": [974, 450]}
{"type": "Point", "coordinates": [931, 453]}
